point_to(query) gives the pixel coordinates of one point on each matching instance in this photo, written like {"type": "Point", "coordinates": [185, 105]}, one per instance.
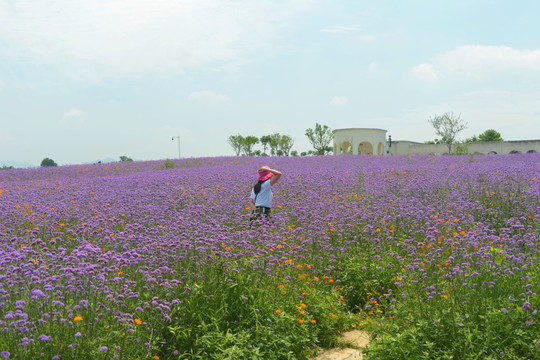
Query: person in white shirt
{"type": "Point", "coordinates": [260, 200]}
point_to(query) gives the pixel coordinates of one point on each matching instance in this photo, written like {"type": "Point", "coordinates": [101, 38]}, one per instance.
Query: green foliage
{"type": "Point", "coordinates": [472, 139]}
{"type": "Point", "coordinates": [461, 149]}
{"type": "Point", "coordinates": [169, 164]}
{"type": "Point", "coordinates": [274, 143]}
{"type": "Point", "coordinates": [436, 141]}
{"type": "Point", "coordinates": [320, 138]}
{"type": "Point", "coordinates": [236, 142]}
{"type": "Point", "coordinates": [5, 167]}
{"type": "Point", "coordinates": [280, 145]}
{"type": "Point", "coordinates": [239, 315]}
{"type": "Point", "coordinates": [124, 158]}
{"type": "Point", "coordinates": [247, 144]}
{"type": "Point", "coordinates": [448, 126]}
{"type": "Point", "coordinates": [490, 135]}
{"type": "Point", "coordinates": [285, 144]}
{"type": "Point", "coordinates": [265, 141]}
{"type": "Point", "coordinates": [48, 163]}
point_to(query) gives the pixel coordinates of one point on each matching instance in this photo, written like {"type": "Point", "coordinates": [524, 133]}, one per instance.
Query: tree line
{"type": "Point", "coordinates": [277, 144]}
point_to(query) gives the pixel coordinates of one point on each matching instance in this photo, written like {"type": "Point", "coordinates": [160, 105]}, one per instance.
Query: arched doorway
{"type": "Point", "coordinates": [380, 149]}
{"type": "Point", "coordinates": [365, 148]}
{"type": "Point", "coordinates": [345, 148]}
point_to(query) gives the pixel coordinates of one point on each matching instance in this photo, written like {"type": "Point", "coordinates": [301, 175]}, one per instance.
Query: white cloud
{"type": "Point", "coordinates": [339, 100]}
{"type": "Point", "coordinates": [426, 72]}
{"type": "Point", "coordinates": [480, 61]}
{"type": "Point", "coordinates": [103, 38]}
{"type": "Point", "coordinates": [208, 97]}
{"type": "Point", "coordinates": [74, 116]}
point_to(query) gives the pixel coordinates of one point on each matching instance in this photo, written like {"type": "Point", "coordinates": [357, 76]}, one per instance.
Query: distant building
{"type": "Point", "coordinates": [360, 141]}
{"type": "Point", "coordinates": [363, 141]}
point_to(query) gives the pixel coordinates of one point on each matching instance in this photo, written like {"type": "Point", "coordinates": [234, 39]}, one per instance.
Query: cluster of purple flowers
{"type": "Point", "coordinates": [124, 241]}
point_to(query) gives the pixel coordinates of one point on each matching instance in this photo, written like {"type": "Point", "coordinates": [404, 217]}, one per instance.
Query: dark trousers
{"type": "Point", "coordinates": [259, 211]}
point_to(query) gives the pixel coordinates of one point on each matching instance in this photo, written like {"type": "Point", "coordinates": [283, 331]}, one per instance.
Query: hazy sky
{"type": "Point", "coordinates": [85, 80]}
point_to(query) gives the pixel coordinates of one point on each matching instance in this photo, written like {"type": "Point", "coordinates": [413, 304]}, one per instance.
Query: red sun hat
{"type": "Point", "coordinates": [264, 175]}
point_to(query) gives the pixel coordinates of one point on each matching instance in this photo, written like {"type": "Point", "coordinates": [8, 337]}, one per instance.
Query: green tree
{"type": "Point", "coordinates": [124, 158]}
{"type": "Point", "coordinates": [265, 140]}
{"type": "Point", "coordinates": [436, 141]}
{"type": "Point", "coordinates": [274, 143]}
{"type": "Point", "coordinates": [285, 144]}
{"type": "Point", "coordinates": [247, 144]}
{"type": "Point", "coordinates": [490, 135]}
{"type": "Point", "coordinates": [48, 163]}
{"type": "Point", "coordinates": [320, 138]}
{"type": "Point", "coordinates": [472, 139]}
{"type": "Point", "coordinates": [236, 142]}
{"type": "Point", "coordinates": [448, 126]}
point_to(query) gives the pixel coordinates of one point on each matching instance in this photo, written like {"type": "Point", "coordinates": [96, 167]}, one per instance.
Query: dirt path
{"type": "Point", "coordinates": [356, 338]}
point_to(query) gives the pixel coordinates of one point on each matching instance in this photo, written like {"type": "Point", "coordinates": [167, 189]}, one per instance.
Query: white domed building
{"type": "Point", "coordinates": [360, 141]}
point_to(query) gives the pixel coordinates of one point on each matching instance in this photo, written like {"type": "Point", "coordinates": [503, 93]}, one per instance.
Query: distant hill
{"type": "Point", "coordinates": [16, 164]}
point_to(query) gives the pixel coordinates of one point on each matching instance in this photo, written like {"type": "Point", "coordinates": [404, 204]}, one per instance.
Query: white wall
{"type": "Point", "coordinates": [357, 136]}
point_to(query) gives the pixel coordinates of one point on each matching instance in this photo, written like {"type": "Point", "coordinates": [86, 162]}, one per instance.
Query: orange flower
{"type": "Point", "coordinates": [155, 357]}
{"type": "Point", "coordinates": [314, 321]}
{"type": "Point", "coordinates": [77, 318]}
{"type": "Point", "coordinates": [333, 315]}
{"type": "Point", "coordinates": [300, 321]}
{"type": "Point", "coordinates": [137, 321]}
{"type": "Point", "coordinates": [278, 311]}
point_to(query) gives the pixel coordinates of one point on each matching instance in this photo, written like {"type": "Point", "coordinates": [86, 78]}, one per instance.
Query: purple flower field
{"type": "Point", "coordinates": [436, 257]}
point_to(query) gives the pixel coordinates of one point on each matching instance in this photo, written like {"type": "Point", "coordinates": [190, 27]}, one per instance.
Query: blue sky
{"type": "Point", "coordinates": [82, 81]}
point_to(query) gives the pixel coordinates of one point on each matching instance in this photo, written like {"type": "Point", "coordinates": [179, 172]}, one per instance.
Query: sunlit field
{"type": "Point", "coordinates": [435, 257]}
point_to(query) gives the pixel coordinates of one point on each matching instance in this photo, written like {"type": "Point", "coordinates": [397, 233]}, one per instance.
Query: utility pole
{"type": "Point", "coordinates": [177, 137]}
